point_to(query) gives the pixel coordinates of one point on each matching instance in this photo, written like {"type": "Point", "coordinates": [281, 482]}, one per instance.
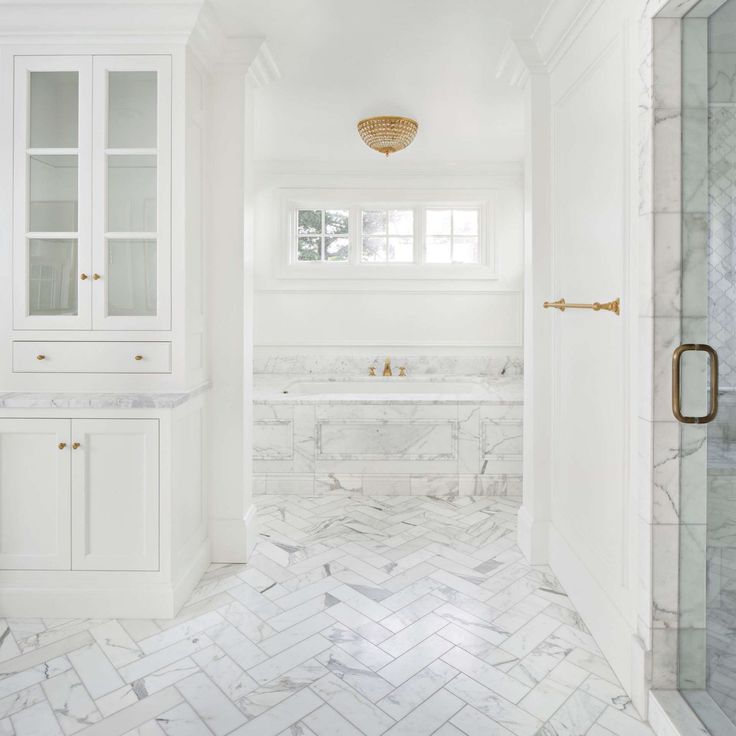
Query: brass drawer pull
{"type": "Point", "coordinates": [40, 357]}
{"type": "Point", "coordinates": [75, 445]}
{"type": "Point", "coordinates": [613, 306]}
{"type": "Point", "coordinates": [677, 388]}
{"type": "Point", "coordinates": [138, 357]}
{"type": "Point", "coordinates": [62, 445]}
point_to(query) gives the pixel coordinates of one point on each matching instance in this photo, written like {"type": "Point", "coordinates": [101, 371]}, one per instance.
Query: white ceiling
{"type": "Point", "coordinates": [341, 60]}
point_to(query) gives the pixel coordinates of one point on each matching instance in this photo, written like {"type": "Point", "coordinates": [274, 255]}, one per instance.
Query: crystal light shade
{"type": "Point", "coordinates": [387, 133]}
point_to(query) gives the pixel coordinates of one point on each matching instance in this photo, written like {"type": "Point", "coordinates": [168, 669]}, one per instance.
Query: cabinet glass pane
{"type": "Point", "coordinates": [131, 194]}
{"type": "Point", "coordinates": [131, 278]}
{"type": "Point", "coordinates": [54, 109]}
{"type": "Point", "coordinates": [131, 100]}
{"type": "Point", "coordinates": [52, 276]}
{"type": "Point", "coordinates": [53, 194]}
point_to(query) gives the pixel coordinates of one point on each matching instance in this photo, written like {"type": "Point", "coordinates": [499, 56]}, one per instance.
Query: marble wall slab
{"type": "Point", "coordinates": [492, 366]}
{"type": "Point", "coordinates": [445, 449]}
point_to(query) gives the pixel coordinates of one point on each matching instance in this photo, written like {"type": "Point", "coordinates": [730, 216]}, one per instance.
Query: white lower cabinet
{"type": "Point", "coordinates": [35, 509]}
{"type": "Point", "coordinates": [115, 494]}
{"type": "Point", "coordinates": [79, 494]}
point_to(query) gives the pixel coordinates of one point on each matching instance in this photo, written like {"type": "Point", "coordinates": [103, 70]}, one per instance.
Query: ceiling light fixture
{"type": "Point", "coordinates": [387, 133]}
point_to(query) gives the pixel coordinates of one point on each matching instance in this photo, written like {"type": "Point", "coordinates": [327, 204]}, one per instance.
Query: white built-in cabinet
{"type": "Point", "coordinates": [92, 186]}
{"type": "Point", "coordinates": [79, 494]}
{"type": "Point", "coordinates": [102, 312]}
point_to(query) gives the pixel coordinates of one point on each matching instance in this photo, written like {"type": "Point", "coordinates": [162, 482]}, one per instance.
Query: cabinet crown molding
{"type": "Point", "coordinates": [134, 20]}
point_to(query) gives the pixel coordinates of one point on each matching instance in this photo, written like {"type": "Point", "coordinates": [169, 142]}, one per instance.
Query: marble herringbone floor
{"type": "Point", "coordinates": [357, 616]}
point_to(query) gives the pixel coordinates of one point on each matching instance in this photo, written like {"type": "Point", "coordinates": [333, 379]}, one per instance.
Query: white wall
{"type": "Point", "coordinates": [407, 316]}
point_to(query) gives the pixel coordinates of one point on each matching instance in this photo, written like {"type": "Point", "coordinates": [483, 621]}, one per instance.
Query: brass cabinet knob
{"type": "Point", "coordinates": [40, 357]}
{"type": "Point", "coordinates": [75, 445]}
{"type": "Point", "coordinates": [83, 276]}
{"type": "Point", "coordinates": [62, 445]}
{"type": "Point", "coordinates": [96, 276]}
{"type": "Point", "coordinates": [138, 357]}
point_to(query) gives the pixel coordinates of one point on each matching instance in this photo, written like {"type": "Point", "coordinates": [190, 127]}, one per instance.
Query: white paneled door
{"type": "Point", "coordinates": [592, 540]}
{"type": "Point", "coordinates": [34, 494]}
{"type": "Point", "coordinates": [115, 494]}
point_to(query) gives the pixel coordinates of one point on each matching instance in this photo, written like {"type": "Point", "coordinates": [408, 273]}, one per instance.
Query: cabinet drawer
{"type": "Point", "coordinates": [91, 357]}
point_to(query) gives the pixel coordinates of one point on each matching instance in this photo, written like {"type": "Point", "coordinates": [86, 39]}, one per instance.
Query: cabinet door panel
{"type": "Point", "coordinates": [115, 494]}
{"type": "Point", "coordinates": [34, 494]}
{"type": "Point", "coordinates": [52, 182]}
{"type": "Point", "coordinates": [131, 221]}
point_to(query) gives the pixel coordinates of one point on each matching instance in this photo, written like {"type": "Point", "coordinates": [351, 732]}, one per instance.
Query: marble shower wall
{"type": "Point", "coordinates": [722, 218]}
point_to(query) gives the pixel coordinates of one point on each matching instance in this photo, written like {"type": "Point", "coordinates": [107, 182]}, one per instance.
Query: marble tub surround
{"type": "Point", "coordinates": [153, 400]}
{"type": "Point", "coordinates": [434, 443]}
{"type": "Point", "coordinates": [280, 388]}
{"type": "Point", "coordinates": [488, 366]}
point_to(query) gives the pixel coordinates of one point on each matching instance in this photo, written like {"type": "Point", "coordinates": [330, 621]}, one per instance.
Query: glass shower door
{"type": "Point", "coordinates": [706, 388]}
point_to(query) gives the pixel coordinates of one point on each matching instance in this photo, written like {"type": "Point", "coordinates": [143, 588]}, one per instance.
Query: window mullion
{"type": "Point", "coordinates": [419, 235]}
{"type": "Point", "coordinates": [357, 255]}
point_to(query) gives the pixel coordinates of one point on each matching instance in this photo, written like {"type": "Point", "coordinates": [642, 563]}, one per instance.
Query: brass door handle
{"type": "Point", "coordinates": [96, 277]}
{"type": "Point", "coordinates": [612, 306]}
{"type": "Point", "coordinates": [83, 276]}
{"type": "Point", "coordinates": [677, 377]}
{"type": "Point", "coordinates": [75, 445]}
{"type": "Point", "coordinates": [62, 445]}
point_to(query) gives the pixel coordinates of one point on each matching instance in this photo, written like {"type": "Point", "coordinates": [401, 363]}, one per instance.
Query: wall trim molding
{"type": "Point", "coordinates": [233, 540]}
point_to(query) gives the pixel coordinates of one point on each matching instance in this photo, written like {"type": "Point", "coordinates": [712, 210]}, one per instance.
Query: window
{"type": "Point", "coordinates": [452, 236]}
{"type": "Point", "coordinates": [387, 236]}
{"type": "Point", "coordinates": [412, 234]}
{"type": "Point", "coordinates": [323, 235]}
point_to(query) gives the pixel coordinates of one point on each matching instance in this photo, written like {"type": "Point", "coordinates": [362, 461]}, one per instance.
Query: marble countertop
{"type": "Point", "coordinates": [64, 400]}
{"type": "Point", "coordinates": [271, 388]}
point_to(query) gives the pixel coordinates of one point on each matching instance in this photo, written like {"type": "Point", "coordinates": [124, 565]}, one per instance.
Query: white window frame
{"type": "Point", "coordinates": [288, 266]}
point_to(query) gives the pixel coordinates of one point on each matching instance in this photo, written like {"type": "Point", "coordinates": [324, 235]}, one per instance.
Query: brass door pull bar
{"type": "Point", "coordinates": [562, 305]}
{"type": "Point", "coordinates": [677, 380]}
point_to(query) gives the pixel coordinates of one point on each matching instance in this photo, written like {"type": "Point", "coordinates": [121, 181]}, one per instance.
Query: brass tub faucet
{"type": "Point", "coordinates": [387, 368]}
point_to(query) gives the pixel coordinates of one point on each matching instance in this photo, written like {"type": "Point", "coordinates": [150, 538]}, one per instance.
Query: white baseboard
{"type": "Point", "coordinates": [62, 600]}
{"type": "Point", "coordinates": [232, 540]}
{"type": "Point", "coordinates": [187, 582]}
{"type": "Point", "coordinates": [533, 538]}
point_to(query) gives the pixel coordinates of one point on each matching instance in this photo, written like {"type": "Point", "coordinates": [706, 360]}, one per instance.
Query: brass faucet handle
{"type": "Point", "coordinates": [402, 371]}
{"type": "Point", "coordinates": [372, 371]}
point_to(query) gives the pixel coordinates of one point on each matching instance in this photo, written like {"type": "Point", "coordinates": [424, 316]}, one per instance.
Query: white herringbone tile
{"type": "Point", "coordinates": [356, 616]}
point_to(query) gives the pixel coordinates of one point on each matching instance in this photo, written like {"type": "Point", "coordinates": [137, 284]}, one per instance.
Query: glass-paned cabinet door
{"type": "Point", "coordinates": [52, 192]}
{"type": "Point", "coordinates": [131, 249]}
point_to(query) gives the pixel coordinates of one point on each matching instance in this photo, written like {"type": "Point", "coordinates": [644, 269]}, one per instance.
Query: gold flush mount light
{"type": "Point", "coordinates": [388, 133]}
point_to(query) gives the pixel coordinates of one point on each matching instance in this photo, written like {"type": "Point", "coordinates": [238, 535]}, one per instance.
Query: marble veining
{"type": "Point", "coordinates": [63, 400]}
{"type": "Point", "coordinates": [394, 444]}
{"type": "Point", "coordinates": [368, 617]}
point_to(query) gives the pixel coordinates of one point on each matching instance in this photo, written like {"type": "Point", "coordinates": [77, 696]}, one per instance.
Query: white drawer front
{"type": "Point", "coordinates": [91, 357]}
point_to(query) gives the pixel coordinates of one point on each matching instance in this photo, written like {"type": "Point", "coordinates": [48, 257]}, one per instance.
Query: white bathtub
{"type": "Point", "coordinates": [380, 385]}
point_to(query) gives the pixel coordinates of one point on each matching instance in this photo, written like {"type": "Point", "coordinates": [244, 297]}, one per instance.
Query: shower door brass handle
{"type": "Point", "coordinates": [676, 380]}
